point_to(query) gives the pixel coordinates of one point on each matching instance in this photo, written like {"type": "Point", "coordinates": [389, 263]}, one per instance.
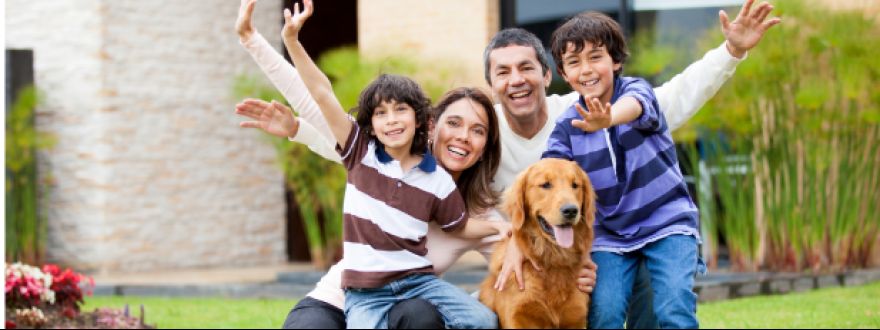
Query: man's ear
{"type": "Point", "coordinates": [548, 78]}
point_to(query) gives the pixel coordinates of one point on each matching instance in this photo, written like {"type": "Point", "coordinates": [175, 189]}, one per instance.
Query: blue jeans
{"type": "Point", "coordinates": [368, 308]}
{"type": "Point", "coordinates": [672, 263]}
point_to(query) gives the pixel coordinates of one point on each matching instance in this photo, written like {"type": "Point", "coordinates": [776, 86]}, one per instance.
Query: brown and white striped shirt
{"type": "Point", "coordinates": [387, 213]}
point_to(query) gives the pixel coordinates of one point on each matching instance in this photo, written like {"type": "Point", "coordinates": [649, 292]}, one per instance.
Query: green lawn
{"type": "Point", "coordinates": [857, 307]}
{"type": "Point", "coordinates": [854, 307]}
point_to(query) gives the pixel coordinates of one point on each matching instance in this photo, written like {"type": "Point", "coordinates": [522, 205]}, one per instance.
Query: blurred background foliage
{"type": "Point", "coordinates": [25, 226]}
{"type": "Point", "coordinates": [319, 184]}
{"type": "Point", "coordinates": [791, 141]}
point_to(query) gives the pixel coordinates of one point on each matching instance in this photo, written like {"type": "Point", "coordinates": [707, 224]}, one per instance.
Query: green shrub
{"type": "Point", "coordinates": [25, 229]}
{"type": "Point", "coordinates": [804, 111]}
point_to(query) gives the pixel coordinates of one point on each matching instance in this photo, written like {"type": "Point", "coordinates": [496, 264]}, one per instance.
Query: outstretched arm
{"type": "Point", "coordinates": [625, 110]}
{"type": "Point", "coordinates": [285, 78]}
{"type": "Point", "coordinates": [316, 82]}
{"type": "Point", "coordinates": [277, 119]}
{"type": "Point", "coordinates": [682, 96]}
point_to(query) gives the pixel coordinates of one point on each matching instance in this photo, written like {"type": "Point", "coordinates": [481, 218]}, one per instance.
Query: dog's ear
{"type": "Point", "coordinates": [515, 200]}
{"type": "Point", "coordinates": [588, 202]}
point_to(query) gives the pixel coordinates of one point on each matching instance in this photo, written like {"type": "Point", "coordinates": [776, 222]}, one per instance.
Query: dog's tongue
{"type": "Point", "coordinates": [564, 236]}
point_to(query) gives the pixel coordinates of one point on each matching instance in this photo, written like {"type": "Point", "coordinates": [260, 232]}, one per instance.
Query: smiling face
{"type": "Point", "coordinates": [589, 71]}
{"type": "Point", "coordinates": [518, 81]}
{"type": "Point", "coordinates": [460, 135]}
{"type": "Point", "coordinates": [394, 125]}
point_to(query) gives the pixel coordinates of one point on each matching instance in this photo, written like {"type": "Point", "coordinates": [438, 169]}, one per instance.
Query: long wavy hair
{"type": "Point", "coordinates": [475, 183]}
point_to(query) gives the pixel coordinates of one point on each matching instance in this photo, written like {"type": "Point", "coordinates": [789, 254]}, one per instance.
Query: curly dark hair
{"type": "Point", "coordinates": [387, 88]}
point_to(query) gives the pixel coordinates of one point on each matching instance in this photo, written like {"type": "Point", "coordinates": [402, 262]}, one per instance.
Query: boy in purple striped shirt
{"type": "Point", "coordinates": [643, 209]}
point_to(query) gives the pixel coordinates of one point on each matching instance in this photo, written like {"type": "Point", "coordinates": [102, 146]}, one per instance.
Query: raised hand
{"type": "Point", "coordinates": [273, 118]}
{"type": "Point", "coordinates": [748, 28]}
{"type": "Point", "coordinates": [294, 23]}
{"type": "Point", "coordinates": [243, 24]}
{"type": "Point", "coordinates": [598, 118]}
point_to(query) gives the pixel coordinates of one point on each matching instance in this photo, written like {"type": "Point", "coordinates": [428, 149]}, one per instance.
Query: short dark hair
{"type": "Point", "coordinates": [593, 27]}
{"type": "Point", "coordinates": [518, 37]}
{"type": "Point", "coordinates": [387, 88]}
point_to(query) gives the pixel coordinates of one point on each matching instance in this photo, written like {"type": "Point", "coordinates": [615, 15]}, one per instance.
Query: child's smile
{"type": "Point", "coordinates": [394, 124]}
{"type": "Point", "coordinates": [590, 71]}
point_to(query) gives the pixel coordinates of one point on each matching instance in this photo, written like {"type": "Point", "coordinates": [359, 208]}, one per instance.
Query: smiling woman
{"type": "Point", "coordinates": [465, 133]}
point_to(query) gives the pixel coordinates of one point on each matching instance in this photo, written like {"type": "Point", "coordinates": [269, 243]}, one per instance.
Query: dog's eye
{"type": "Point", "coordinates": [574, 185]}
{"type": "Point", "coordinates": [546, 185]}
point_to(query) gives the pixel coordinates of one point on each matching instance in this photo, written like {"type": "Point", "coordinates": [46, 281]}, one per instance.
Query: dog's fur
{"type": "Point", "coordinates": [551, 298]}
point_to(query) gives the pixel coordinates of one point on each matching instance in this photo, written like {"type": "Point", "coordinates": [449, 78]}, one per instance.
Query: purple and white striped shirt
{"type": "Point", "coordinates": [641, 193]}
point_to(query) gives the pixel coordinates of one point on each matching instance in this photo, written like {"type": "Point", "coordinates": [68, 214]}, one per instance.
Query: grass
{"type": "Point", "coordinates": [847, 308]}
{"type": "Point", "coordinates": [189, 313]}
{"type": "Point", "coordinates": [855, 307]}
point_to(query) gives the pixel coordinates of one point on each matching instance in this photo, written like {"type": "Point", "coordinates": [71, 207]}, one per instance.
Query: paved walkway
{"type": "Point", "coordinates": [295, 280]}
{"type": "Point", "coordinates": [291, 280]}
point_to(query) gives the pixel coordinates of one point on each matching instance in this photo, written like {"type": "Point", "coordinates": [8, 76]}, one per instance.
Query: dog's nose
{"type": "Point", "coordinates": [569, 211]}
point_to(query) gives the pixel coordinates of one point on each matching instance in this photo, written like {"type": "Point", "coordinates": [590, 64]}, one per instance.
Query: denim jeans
{"type": "Point", "coordinates": [641, 303]}
{"type": "Point", "coordinates": [311, 313]}
{"type": "Point", "coordinates": [672, 263]}
{"type": "Point", "coordinates": [368, 308]}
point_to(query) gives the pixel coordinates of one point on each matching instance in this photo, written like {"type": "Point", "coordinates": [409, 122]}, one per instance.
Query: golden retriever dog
{"type": "Point", "coordinates": [551, 210]}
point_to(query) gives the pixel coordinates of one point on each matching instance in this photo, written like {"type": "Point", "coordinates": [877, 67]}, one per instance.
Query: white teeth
{"type": "Point", "coordinates": [457, 151]}
{"type": "Point", "coordinates": [394, 132]}
{"type": "Point", "coordinates": [590, 82]}
{"type": "Point", "coordinates": [519, 94]}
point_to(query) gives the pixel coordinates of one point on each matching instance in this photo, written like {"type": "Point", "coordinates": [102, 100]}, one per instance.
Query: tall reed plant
{"type": "Point", "coordinates": [25, 225]}
{"type": "Point", "coordinates": [803, 113]}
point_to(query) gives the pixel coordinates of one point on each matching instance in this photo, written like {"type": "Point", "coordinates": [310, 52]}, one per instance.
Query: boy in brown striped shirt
{"type": "Point", "coordinates": [394, 189]}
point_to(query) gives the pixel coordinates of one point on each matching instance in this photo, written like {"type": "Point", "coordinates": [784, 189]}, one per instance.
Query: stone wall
{"type": "Point", "coordinates": [448, 34]}
{"type": "Point", "coordinates": [150, 170]}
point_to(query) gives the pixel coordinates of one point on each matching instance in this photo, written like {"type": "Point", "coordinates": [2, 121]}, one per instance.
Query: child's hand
{"type": "Point", "coordinates": [273, 118]}
{"type": "Point", "coordinates": [243, 24]}
{"type": "Point", "coordinates": [294, 23]}
{"type": "Point", "coordinates": [598, 118]}
{"type": "Point", "coordinates": [748, 28]}
{"type": "Point", "coordinates": [586, 280]}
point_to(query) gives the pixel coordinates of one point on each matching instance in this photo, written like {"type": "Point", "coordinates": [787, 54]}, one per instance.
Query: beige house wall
{"type": "Point", "coordinates": [151, 170]}
{"type": "Point", "coordinates": [450, 33]}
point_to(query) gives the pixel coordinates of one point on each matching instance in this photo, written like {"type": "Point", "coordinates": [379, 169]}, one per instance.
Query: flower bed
{"type": "Point", "coordinates": [51, 298]}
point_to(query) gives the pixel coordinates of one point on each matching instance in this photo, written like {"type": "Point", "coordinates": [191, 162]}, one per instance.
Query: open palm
{"type": "Point", "coordinates": [273, 118]}
{"type": "Point", "coordinates": [744, 32]}
{"type": "Point", "coordinates": [243, 24]}
{"type": "Point", "coordinates": [294, 23]}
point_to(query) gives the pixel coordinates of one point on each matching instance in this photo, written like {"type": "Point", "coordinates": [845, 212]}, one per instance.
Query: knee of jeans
{"type": "Point", "coordinates": [414, 314]}
{"type": "Point", "coordinates": [485, 318]}
{"type": "Point", "coordinates": [607, 314]}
